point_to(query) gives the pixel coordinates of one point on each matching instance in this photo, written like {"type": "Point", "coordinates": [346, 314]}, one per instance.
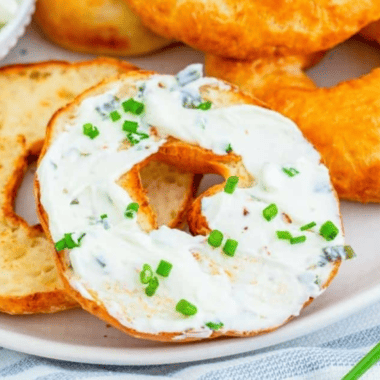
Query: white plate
{"type": "Point", "coordinates": [78, 336]}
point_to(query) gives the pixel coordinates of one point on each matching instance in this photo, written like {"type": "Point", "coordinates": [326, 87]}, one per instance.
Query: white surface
{"type": "Point", "coordinates": [15, 28]}
{"type": "Point", "coordinates": [78, 336]}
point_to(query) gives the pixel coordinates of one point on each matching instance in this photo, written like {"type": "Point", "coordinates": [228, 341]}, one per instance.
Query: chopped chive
{"type": "Point", "coordinates": [291, 172]}
{"type": "Point", "coordinates": [133, 106]}
{"type": "Point", "coordinates": [70, 243]}
{"type": "Point", "coordinates": [146, 274]}
{"type": "Point", "coordinates": [308, 226]}
{"type": "Point", "coordinates": [270, 212]}
{"type": "Point", "coordinates": [104, 216]}
{"type": "Point", "coordinates": [205, 106]}
{"type": "Point", "coordinates": [230, 247]}
{"type": "Point", "coordinates": [152, 287]}
{"type": "Point", "coordinates": [231, 184]}
{"type": "Point", "coordinates": [214, 326]}
{"type": "Point", "coordinates": [284, 235]}
{"type": "Point", "coordinates": [164, 268]}
{"type": "Point", "coordinates": [80, 239]}
{"type": "Point", "coordinates": [229, 148]}
{"type": "Point", "coordinates": [130, 126]}
{"type": "Point", "coordinates": [350, 253]}
{"type": "Point", "coordinates": [298, 239]}
{"type": "Point", "coordinates": [115, 116]}
{"type": "Point", "coordinates": [60, 245]}
{"type": "Point", "coordinates": [215, 238]}
{"type": "Point", "coordinates": [186, 308]}
{"type": "Point", "coordinates": [132, 140]}
{"type": "Point", "coordinates": [90, 131]}
{"type": "Point", "coordinates": [142, 135]}
{"type": "Point", "coordinates": [329, 230]}
{"type": "Point", "coordinates": [131, 210]}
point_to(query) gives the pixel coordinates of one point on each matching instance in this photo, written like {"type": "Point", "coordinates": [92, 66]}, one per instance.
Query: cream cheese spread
{"type": "Point", "coordinates": [266, 282]}
{"type": "Point", "coordinates": [8, 10]}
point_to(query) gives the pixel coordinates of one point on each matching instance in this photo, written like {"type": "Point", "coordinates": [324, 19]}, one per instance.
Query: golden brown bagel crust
{"type": "Point", "coordinates": [29, 282]}
{"type": "Point", "coordinates": [96, 27]}
{"type": "Point", "coordinates": [372, 31]}
{"type": "Point", "coordinates": [192, 157]}
{"type": "Point", "coordinates": [342, 122]}
{"type": "Point", "coordinates": [247, 28]}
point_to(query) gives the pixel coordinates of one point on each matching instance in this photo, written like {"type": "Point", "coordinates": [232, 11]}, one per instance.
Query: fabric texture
{"type": "Point", "coordinates": [327, 354]}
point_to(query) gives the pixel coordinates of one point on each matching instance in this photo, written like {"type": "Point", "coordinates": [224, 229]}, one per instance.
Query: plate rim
{"type": "Point", "coordinates": [187, 352]}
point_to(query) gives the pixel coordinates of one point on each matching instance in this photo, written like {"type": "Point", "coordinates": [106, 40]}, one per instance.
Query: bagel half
{"type": "Point", "coordinates": [251, 28]}
{"type": "Point", "coordinates": [97, 27]}
{"type": "Point", "coordinates": [67, 123]}
{"type": "Point", "coordinates": [30, 94]}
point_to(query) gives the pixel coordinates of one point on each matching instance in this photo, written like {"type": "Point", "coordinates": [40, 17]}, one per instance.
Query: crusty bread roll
{"type": "Point", "coordinates": [30, 94]}
{"type": "Point", "coordinates": [96, 26]}
{"type": "Point", "coordinates": [106, 266]}
{"type": "Point", "coordinates": [249, 28]}
{"type": "Point", "coordinates": [372, 31]}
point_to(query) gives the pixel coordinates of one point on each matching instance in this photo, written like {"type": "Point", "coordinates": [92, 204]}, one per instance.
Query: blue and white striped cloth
{"type": "Point", "coordinates": [327, 354]}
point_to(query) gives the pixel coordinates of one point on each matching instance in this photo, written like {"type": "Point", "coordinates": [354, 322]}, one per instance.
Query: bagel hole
{"type": "Point", "coordinates": [208, 181]}
{"type": "Point", "coordinates": [351, 59]}
{"type": "Point", "coordinates": [25, 205]}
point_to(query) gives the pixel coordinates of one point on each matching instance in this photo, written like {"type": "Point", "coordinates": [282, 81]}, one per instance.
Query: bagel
{"type": "Point", "coordinates": [96, 27]}
{"type": "Point", "coordinates": [251, 28]}
{"type": "Point", "coordinates": [372, 31]}
{"type": "Point", "coordinates": [29, 95]}
{"type": "Point", "coordinates": [332, 119]}
{"type": "Point", "coordinates": [198, 291]}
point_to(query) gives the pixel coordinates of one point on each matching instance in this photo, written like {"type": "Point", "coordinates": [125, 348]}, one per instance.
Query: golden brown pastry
{"type": "Point", "coordinates": [247, 29]}
{"type": "Point", "coordinates": [96, 26]}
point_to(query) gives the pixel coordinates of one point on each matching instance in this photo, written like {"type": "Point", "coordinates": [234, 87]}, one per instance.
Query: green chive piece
{"type": "Point", "coordinates": [214, 326]}
{"type": "Point", "coordinates": [350, 253]}
{"type": "Point", "coordinates": [70, 243]}
{"type": "Point", "coordinates": [80, 239]}
{"type": "Point", "coordinates": [229, 148]}
{"type": "Point", "coordinates": [130, 126]}
{"type": "Point", "coordinates": [104, 216]}
{"type": "Point", "coordinates": [230, 247]}
{"type": "Point", "coordinates": [132, 140]}
{"type": "Point", "coordinates": [270, 212]}
{"type": "Point", "coordinates": [231, 184]}
{"type": "Point", "coordinates": [215, 238]}
{"type": "Point", "coordinates": [152, 287]}
{"type": "Point", "coordinates": [291, 172]}
{"type": "Point", "coordinates": [284, 235]}
{"type": "Point", "coordinates": [60, 245]}
{"type": "Point", "coordinates": [329, 230]}
{"type": "Point", "coordinates": [205, 106]}
{"type": "Point", "coordinates": [115, 116]}
{"type": "Point", "coordinates": [298, 239]}
{"type": "Point", "coordinates": [142, 135]}
{"type": "Point", "coordinates": [186, 308]}
{"type": "Point", "coordinates": [146, 274]}
{"type": "Point", "coordinates": [90, 131]}
{"type": "Point", "coordinates": [164, 268]}
{"type": "Point", "coordinates": [308, 226]}
{"type": "Point", "coordinates": [133, 106]}
{"type": "Point", "coordinates": [131, 210]}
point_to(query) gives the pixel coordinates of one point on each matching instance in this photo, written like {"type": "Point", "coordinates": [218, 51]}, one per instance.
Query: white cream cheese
{"type": "Point", "coordinates": [8, 10]}
{"type": "Point", "coordinates": [267, 281]}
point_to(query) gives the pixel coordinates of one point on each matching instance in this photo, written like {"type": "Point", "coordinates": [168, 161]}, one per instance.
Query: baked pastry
{"type": "Point", "coordinates": [97, 27]}
{"type": "Point", "coordinates": [29, 95]}
{"type": "Point", "coordinates": [342, 122]}
{"type": "Point", "coordinates": [248, 29]}
{"type": "Point", "coordinates": [270, 238]}
{"type": "Point", "coordinates": [372, 31]}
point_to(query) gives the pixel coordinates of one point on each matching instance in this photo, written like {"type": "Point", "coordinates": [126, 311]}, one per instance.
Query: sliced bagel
{"type": "Point", "coordinates": [97, 27]}
{"type": "Point", "coordinates": [106, 265]}
{"type": "Point", "coordinates": [30, 94]}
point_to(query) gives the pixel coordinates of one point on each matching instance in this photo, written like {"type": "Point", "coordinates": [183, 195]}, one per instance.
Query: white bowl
{"type": "Point", "coordinates": [14, 29]}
